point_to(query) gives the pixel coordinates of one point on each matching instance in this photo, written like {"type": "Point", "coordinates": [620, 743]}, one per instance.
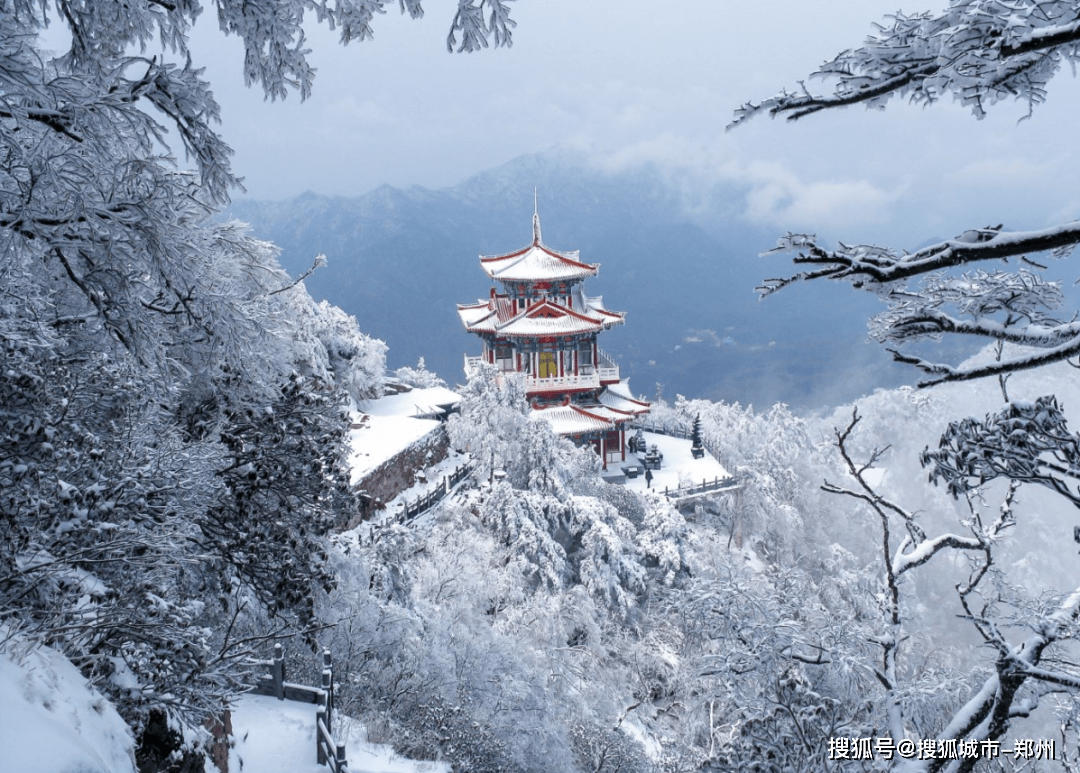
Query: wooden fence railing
{"type": "Point", "coordinates": [328, 751]}
{"type": "Point", "coordinates": [430, 499]}
{"type": "Point", "coordinates": [660, 429]}
{"type": "Point", "coordinates": [691, 489]}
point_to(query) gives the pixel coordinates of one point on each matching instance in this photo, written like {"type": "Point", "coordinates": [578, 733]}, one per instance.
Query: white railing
{"type": "Point", "coordinates": [590, 381]}
{"type": "Point", "coordinates": [472, 362]}
{"type": "Point", "coordinates": [589, 378]}
{"type": "Point", "coordinates": [608, 370]}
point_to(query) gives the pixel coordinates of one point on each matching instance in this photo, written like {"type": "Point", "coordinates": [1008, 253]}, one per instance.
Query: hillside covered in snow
{"type": "Point", "coordinates": [201, 461]}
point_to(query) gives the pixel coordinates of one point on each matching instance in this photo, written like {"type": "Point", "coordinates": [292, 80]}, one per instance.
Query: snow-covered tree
{"type": "Point", "coordinates": [170, 443]}
{"type": "Point", "coordinates": [980, 51]}
{"type": "Point", "coordinates": [491, 419]}
{"type": "Point", "coordinates": [419, 377]}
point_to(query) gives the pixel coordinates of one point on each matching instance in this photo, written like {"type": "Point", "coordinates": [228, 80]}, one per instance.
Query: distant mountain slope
{"type": "Point", "coordinates": [401, 259]}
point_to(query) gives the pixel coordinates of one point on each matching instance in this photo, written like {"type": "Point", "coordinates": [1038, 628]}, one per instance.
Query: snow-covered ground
{"type": "Point", "coordinates": [679, 467]}
{"type": "Point", "coordinates": [389, 425]}
{"type": "Point", "coordinates": [275, 736]}
{"type": "Point", "coordinates": [381, 438]}
{"type": "Point", "coordinates": [52, 721]}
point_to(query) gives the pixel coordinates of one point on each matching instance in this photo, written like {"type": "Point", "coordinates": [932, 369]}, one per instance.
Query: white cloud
{"type": "Point", "coordinates": [779, 197]}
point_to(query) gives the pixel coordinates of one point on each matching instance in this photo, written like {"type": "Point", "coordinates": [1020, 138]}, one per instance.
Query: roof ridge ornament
{"type": "Point", "coordinates": [536, 220]}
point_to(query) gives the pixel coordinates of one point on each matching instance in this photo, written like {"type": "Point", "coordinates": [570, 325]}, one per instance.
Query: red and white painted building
{"type": "Point", "coordinates": [543, 326]}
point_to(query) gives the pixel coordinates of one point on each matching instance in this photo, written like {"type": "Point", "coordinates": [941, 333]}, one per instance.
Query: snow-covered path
{"type": "Point", "coordinates": [275, 736]}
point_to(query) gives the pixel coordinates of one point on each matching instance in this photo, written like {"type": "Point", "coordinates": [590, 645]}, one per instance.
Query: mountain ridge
{"type": "Point", "coordinates": [400, 259]}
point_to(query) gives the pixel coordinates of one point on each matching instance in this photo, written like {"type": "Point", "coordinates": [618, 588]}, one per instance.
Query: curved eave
{"type": "Point", "coordinates": [537, 263]}
{"type": "Point", "coordinates": [476, 317]}
{"type": "Point", "coordinates": [577, 419]}
{"type": "Point", "coordinates": [617, 397]}
{"type": "Point", "coordinates": [548, 319]}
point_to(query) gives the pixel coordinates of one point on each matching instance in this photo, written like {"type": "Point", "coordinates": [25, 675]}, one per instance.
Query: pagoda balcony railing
{"type": "Point", "coordinates": [472, 362]}
{"type": "Point", "coordinates": [555, 383]}
{"type": "Point", "coordinates": [607, 369]}
{"type": "Point", "coordinates": [588, 378]}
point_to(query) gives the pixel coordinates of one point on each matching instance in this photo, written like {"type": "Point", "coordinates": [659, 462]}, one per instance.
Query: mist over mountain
{"type": "Point", "coordinates": [684, 265]}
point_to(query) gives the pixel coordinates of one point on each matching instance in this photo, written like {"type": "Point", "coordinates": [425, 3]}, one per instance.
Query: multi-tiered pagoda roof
{"type": "Point", "coordinates": [543, 326]}
{"type": "Point", "coordinates": [537, 263]}
{"type": "Point", "coordinates": [546, 318]}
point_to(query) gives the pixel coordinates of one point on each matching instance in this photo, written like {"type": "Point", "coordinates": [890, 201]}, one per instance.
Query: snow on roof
{"type": "Point", "coordinates": [575, 419]}
{"type": "Point", "coordinates": [414, 403]}
{"type": "Point", "coordinates": [537, 263]}
{"type": "Point", "coordinates": [567, 420]}
{"type": "Point", "coordinates": [472, 313]}
{"type": "Point", "coordinates": [541, 319]}
{"type": "Point", "coordinates": [596, 306]}
{"type": "Point", "coordinates": [619, 397]}
{"type": "Point", "coordinates": [380, 438]}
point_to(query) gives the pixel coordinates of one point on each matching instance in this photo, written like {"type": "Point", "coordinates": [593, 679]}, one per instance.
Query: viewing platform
{"type": "Point", "coordinates": [589, 377]}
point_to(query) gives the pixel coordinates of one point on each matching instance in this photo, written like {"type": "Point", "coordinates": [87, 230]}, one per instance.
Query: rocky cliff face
{"type": "Point", "coordinates": [400, 472]}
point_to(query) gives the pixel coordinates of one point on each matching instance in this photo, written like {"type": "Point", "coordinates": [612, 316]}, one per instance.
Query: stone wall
{"type": "Point", "coordinates": [399, 472]}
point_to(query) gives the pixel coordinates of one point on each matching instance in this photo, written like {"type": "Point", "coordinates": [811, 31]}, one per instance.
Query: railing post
{"type": "Point", "coordinates": [278, 672]}
{"type": "Point", "coordinates": [320, 751]}
{"type": "Point", "coordinates": [328, 665]}
{"type": "Point", "coordinates": [327, 681]}
{"type": "Point", "coordinates": [341, 763]}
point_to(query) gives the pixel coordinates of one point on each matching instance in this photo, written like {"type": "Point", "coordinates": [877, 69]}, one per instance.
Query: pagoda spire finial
{"type": "Point", "coordinates": [536, 219]}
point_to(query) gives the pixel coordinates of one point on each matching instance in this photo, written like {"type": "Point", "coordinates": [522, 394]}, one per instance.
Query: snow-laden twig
{"type": "Point", "coordinates": [979, 51]}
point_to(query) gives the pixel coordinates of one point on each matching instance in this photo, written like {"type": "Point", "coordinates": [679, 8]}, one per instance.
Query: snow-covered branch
{"type": "Point", "coordinates": [1025, 442]}
{"type": "Point", "coordinates": [980, 51]}
{"type": "Point", "coordinates": [877, 267]}
{"type": "Point", "coordinates": [475, 28]}
{"type": "Point", "coordinates": [1006, 307]}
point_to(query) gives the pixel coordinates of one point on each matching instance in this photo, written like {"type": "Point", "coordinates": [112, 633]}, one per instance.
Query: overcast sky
{"type": "Point", "coordinates": [632, 80]}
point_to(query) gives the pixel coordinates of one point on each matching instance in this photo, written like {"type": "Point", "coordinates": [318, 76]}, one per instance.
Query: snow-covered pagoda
{"type": "Point", "coordinates": [543, 326]}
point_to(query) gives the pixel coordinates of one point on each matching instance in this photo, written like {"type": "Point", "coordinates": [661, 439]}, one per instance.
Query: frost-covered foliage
{"type": "Point", "coordinates": [285, 486]}
{"type": "Point", "coordinates": [170, 400]}
{"type": "Point", "coordinates": [480, 665]}
{"type": "Point", "coordinates": [559, 622]}
{"type": "Point", "coordinates": [170, 424]}
{"type": "Point", "coordinates": [981, 51]}
{"type": "Point", "coordinates": [491, 419]}
{"type": "Point", "coordinates": [768, 663]}
{"type": "Point", "coordinates": [419, 377]}
{"type": "Point", "coordinates": [344, 356]}
{"type": "Point", "coordinates": [600, 631]}
{"type": "Point", "coordinates": [772, 454]}
{"type": "Point", "coordinates": [576, 540]}
{"type": "Point", "coordinates": [98, 510]}
{"type": "Point", "coordinates": [582, 626]}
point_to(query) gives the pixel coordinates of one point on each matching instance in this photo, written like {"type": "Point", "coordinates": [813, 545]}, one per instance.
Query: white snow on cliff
{"type": "Point", "coordinates": [53, 721]}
